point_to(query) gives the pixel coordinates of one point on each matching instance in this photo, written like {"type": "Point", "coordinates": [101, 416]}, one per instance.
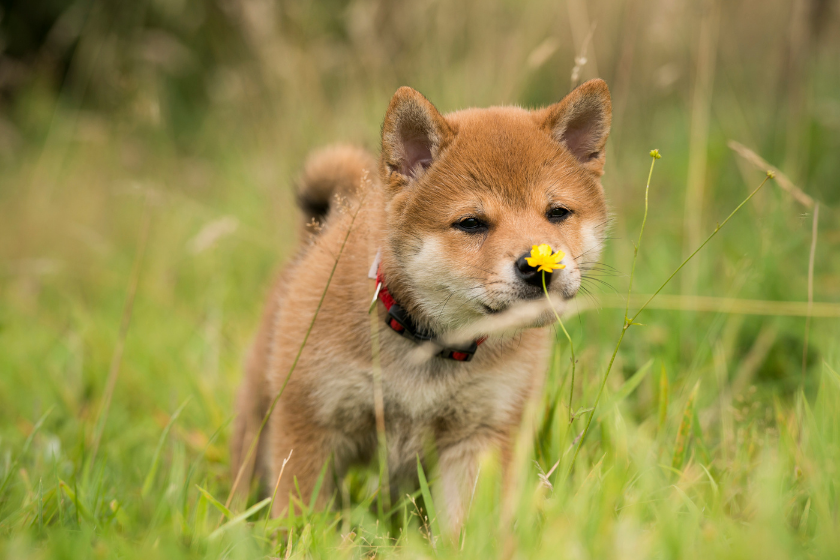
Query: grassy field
{"type": "Point", "coordinates": [146, 202]}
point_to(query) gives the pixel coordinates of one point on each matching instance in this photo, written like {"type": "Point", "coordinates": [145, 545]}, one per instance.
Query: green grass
{"type": "Point", "coordinates": [709, 441]}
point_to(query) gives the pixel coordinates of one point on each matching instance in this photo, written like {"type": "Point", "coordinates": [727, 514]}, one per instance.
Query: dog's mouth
{"type": "Point", "coordinates": [508, 317]}
{"type": "Point", "coordinates": [493, 310]}
{"type": "Point", "coordinates": [523, 298]}
{"type": "Point", "coordinates": [502, 307]}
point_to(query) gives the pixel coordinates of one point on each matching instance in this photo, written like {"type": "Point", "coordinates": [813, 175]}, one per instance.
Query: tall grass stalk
{"type": "Point", "coordinates": [632, 321]}
{"type": "Point", "coordinates": [274, 401]}
{"type": "Point", "coordinates": [125, 323]}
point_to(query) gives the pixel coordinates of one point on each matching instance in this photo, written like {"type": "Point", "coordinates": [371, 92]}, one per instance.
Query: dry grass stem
{"type": "Point", "coordinates": [383, 501]}
{"type": "Point", "coordinates": [781, 179]}
{"type": "Point", "coordinates": [811, 259]}
{"type": "Point", "coordinates": [579, 20]}
{"type": "Point", "coordinates": [255, 441]}
{"type": "Point", "coordinates": [712, 304]}
{"type": "Point", "coordinates": [701, 106]}
{"type": "Point", "coordinates": [277, 486]}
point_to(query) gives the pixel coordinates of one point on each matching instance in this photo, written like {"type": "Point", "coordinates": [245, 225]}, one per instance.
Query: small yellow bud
{"type": "Point", "coordinates": [655, 154]}
{"type": "Point", "coordinates": [771, 174]}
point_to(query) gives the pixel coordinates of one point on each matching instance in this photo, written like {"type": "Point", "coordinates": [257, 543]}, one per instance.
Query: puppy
{"type": "Point", "coordinates": [431, 245]}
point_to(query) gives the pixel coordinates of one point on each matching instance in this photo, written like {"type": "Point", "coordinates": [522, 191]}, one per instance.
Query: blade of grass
{"type": "Point", "coordinates": [24, 449]}
{"type": "Point", "coordinates": [150, 476]}
{"type": "Point", "coordinates": [684, 432]}
{"type": "Point", "coordinates": [216, 503]}
{"type": "Point", "coordinates": [803, 519]}
{"type": "Point", "coordinates": [239, 518]}
{"type": "Point", "coordinates": [318, 483]}
{"type": "Point", "coordinates": [834, 376]}
{"type": "Point", "coordinates": [200, 458]}
{"type": "Point", "coordinates": [74, 497]}
{"type": "Point", "coordinates": [627, 387]}
{"type": "Point", "coordinates": [430, 505]}
{"type": "Point", "coordinates": [692, 507]}
{"type": "Point", "coordinates": [698, 440]}
{"type": "Point", "coordinates": [712, 483]}
{"type": "Point", "coordinates": [663, 397]}
{"type": "Point", "coordinates": [290, 543]}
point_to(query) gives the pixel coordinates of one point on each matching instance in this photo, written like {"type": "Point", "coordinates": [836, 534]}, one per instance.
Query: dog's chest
{"type": "Point", "coordinates": [426, 401]}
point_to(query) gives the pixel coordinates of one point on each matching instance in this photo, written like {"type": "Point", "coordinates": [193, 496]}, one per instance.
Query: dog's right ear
{"type": "Point", "coordinates": [413, 135]}
{"type": "Point", "coordinates": [581, 123]}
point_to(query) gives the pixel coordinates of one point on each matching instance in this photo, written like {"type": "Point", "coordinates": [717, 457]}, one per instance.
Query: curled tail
{"type": "Point", "coordinates": [333, 170]}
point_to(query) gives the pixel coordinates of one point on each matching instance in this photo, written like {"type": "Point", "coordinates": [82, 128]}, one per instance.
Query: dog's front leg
{"type": "Point", "coordinates": [458, 467]}
{"type": "Point", "coordinates": [308, 448]}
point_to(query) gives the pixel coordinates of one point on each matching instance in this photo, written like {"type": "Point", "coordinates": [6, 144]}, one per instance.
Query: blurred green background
{"type": "Point", "coordinates": [187, 120]}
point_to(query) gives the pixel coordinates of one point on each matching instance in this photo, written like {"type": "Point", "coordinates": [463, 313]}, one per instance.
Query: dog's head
{"type": "Point", "coordinates": [469, 193]}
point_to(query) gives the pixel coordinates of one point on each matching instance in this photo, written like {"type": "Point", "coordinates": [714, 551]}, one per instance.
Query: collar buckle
{"type": "Point", "coordinates": [399, 321]}
{"type": "Point", "coordinates": [460, 354]}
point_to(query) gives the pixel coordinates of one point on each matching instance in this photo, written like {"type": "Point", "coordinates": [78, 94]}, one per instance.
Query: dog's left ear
{"type": "Point", "coordinates": [581, 122]}
{"type": "Point", "coordinates": [413, 134]}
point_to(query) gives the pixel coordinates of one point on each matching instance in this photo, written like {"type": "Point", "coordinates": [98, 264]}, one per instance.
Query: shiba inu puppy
{"type": "Point", "coordinates": [437, 233]}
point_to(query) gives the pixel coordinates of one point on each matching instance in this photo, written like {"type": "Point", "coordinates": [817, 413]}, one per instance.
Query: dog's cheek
{"type": "Point", "coordinates": [590, 245]}
{"type": "Point", "coordinates": [447, 282]}
{"type": "Point", "coordinates": [431, 272]}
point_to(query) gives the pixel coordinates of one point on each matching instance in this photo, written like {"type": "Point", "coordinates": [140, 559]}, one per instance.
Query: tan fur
{"type": "Point", "coordinates": [504, 165]}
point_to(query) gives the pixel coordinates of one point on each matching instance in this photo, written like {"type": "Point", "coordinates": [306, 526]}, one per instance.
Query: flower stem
{"type": "Point", "coordinates": [571, 347]}
{"type": "Point", "coordinates": [631, 321]}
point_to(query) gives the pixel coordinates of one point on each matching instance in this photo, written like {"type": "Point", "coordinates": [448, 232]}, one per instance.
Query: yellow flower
{"type": "Point", "coordinates": [542, 259]}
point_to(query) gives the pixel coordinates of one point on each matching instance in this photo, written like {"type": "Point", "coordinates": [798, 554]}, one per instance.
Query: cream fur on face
{"type": "Point", "coordinates": [451, 300]}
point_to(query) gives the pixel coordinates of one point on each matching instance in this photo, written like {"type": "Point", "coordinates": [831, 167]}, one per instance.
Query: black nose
{"type": "Point", "coordinates": [529, 274]}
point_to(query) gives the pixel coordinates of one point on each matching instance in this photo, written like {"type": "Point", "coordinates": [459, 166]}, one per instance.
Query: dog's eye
{"type": "Point", "coordinates": [470, 225]}
{"type": "Point", "coordinates": [558, 214]}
